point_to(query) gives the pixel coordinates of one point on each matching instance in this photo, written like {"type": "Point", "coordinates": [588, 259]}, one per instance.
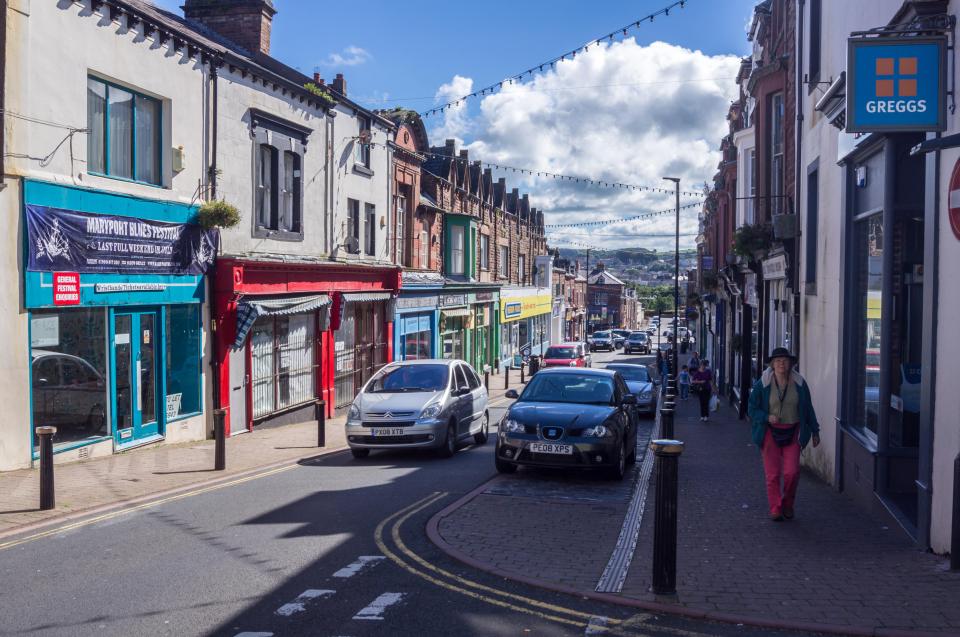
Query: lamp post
{"type": "Point", "coordinates": [676, 278]}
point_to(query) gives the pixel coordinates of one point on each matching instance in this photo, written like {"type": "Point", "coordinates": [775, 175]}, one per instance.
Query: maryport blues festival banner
{"type": "Point", "coordinates": [67, 240]}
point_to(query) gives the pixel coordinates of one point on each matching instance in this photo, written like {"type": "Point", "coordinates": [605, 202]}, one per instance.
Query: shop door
{"type": "Point", "coordinates": [135, 375]}
{"type": "Point", "coordinates": [239, 380]}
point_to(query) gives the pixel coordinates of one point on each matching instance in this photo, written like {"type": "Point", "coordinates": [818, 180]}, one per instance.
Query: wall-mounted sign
{"type": "Point", "coordinates": [953, 200]}
{"type": "Point", "coordinates": [447, 300]}
{"type": "Point", "coordinates": [896, 84]}
{"type": "Point", "coordinates": [45, 330]}
{"type": "Point", "coordinates": [67, 240]}
{"type": "Point", "coordinates": [408, 302]}
{"type": "Point", "coordinates": [707, 262]}
{"type": "Point", "coordinates": [525, 306]}
{"type": "Point", "coordinates": [66, 288]}
{"type": "Point", "coordinates": [775, 267]}
{"type": "Point", "coordinates": [101, 288]}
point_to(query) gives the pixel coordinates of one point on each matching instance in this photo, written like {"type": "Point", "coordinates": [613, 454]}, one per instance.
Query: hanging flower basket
{"type": "Point", "coordinates": [218, 214]}
{"type": "Point", "coordinates": [752, 241]}
{"type": "Point", "coordinates": [709, 280]}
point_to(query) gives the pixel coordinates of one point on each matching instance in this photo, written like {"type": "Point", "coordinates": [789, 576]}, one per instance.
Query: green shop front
{"type": "Point", "coordinates": [114, 287]}
{"type": "Point", "coordinates": [468, 317]}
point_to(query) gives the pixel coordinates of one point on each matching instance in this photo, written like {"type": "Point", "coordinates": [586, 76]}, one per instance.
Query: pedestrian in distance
{"type": "Point", "coordinates": [684, 380]}
{"type": "Point", "coordinates": [703, 381]}
{"type": "Point", "coordinates": [694, 361]}
{"type": "Point", "coordinates": [783, 422]}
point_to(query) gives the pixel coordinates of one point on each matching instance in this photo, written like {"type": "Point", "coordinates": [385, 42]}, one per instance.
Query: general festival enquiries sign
{"type": "Point", "coordinates": [70, 241]}
{"type": "Point", "coordinates": [896, 84]}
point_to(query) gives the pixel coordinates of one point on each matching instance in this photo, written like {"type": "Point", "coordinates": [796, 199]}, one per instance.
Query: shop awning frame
{"type": "Point", "coordinates": [360, 297]}
{"type": "Point", "coordinates": [249, 309]}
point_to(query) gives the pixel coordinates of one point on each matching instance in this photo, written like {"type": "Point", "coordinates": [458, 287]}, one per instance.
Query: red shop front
{"type": "Point", "coordinates": [286, 335]}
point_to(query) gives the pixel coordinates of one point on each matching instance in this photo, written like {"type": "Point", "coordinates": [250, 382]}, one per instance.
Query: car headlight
{"type": "Point", "coordinates": [354, 413]}
{"type": "Point", "coordinates": [645, 395]}
{"type": "Point", "coordinates": [432, 410]}
{"type": "Point", "coordinates": [599, 431]}
{"type": "Point", "coordinates": [511, 426]}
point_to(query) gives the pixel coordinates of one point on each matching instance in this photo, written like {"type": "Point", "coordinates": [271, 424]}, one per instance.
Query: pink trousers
{"type": "Point", "coordinates": [781, 462]}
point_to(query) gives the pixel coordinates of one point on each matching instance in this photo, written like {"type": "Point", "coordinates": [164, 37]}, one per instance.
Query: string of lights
{"type": "Point", "coordinates": [621, 32]}
{"type": "Point", "coordinates": [579, 180]}
{"type": "Point", "coordinates": [606, 222]}
{"type": "Point", "coordinates": [562, 233]}
{"type": "Point", "coordinates": [593, 248]}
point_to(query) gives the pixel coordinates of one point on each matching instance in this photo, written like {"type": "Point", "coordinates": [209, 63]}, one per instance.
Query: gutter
{"type": "Point", "coordinates": [3, 94]}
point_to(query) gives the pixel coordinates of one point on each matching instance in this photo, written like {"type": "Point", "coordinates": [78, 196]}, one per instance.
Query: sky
{"type": "Point", "coordinates": [649, 104]}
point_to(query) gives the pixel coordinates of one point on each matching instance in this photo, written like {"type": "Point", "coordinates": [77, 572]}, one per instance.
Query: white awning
{"type": "Point", "coordinates": [460, 311]}
{"type": "Point", "coordinates": [251, 308]}
{"type": "Point", "coordinates": [358, 297]}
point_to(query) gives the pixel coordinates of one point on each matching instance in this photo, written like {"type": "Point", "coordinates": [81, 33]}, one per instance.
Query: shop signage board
{"type": "Point", "coordinates": [775, 268]}
{"type": "Point", "coordinates": [953, 200]}
{"type": "Point", "coordinates": [448, 300]}
{"type": "Point", "coordinates": [66, 288]}
{"type": "Point", "coordinates": [896, 84]}
{"type": "Point", "coordinates": [68, 240]}
{"type": "Point", "coordinates": [405, 302]}
{"type": "Point", "coordinates": [515, 308]}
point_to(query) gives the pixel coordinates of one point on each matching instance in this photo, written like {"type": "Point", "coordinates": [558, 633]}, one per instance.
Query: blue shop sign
{"type": "Point", "coordinates": [896, 84]}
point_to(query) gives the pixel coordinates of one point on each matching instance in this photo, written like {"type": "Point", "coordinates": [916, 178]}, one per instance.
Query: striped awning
{"type": "Point", "coordinates": [358, 297]}
{"type": "Point", "coordinates": [459, 311]}
{"type": "Point", "coordinates": [252, 308]}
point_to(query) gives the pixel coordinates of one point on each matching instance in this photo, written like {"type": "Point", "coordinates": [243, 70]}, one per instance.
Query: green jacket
{"type": "Point", "coordinates": [759, 406]}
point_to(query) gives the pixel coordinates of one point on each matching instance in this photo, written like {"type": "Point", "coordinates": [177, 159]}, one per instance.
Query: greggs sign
{"type": "Point", "coordinates": [896, 84]}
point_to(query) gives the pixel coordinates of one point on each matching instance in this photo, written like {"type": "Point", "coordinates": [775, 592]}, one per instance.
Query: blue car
{"type": "Point", "coordinates": [571, 418]}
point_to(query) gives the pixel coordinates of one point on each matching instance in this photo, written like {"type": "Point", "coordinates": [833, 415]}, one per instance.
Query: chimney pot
{"type": "Point", "coordinates": [244, 22]}
{"type": "Point", "coordinates": [339, 84]}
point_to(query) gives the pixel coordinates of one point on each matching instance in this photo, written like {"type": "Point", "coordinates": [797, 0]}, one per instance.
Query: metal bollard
{"type": "Point", "coordinates": [486, 379]}
{"type": "Point", "coordinates": [522, 381]}
{"type": "Point", "coordinates": [955, 534]}
{"type": "Point", "coordinates": [47, 499]}
{"type": "Point", "coordinates": [219, 440]}
{"type": "Point", "coordinates": [320, 411]}
{"type": "Point", "coordinates": [666, 421]}
{"type": "Point", "coordinates": [506, 377]}
{"type": "Point", "coordinates": [667, 453]}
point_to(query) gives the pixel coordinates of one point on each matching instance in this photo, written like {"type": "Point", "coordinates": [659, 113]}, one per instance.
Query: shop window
{"type": "Point", "coordinates": [69, 374]}
{"type": "Point", "coordinates": [282, 362]}
{"type": "Point", "coordinates": [869, 283]}
{"type": "Point", "coordinates": [183, 361]}
{"type": "Point", "coordinates": [417, 337]}
{"type": "Point", "coordinates": [125, 133]}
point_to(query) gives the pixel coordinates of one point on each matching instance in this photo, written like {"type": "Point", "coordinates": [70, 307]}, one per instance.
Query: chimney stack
{"type": "Point", "coordinates": [319, 81]}
{"type": "Point", "coordinates": [339, 84]}
{"type": "Point", "coordinates": [244, 22]}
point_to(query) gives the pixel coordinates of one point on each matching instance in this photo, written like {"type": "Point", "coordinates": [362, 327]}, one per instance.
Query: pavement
{"type": "Point", "coordinates": [90, 486]}
{"type": "Point", "coordinates": [834, 569]}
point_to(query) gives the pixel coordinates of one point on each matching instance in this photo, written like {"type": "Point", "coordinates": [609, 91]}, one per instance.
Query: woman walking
{"type": "Point", "coordinates": [783, 422]}
{"type": "Point", "coordinates": [703, 383]}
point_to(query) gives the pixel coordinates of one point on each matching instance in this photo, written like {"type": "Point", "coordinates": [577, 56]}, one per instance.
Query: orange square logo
{"type": "Point", "coordinates": [908, 88]}
{"type": "Point", "coordinates": [884, 66]}
{"type": "Point", "coordinates": [908, 66]}
{"type": "Point", "coordinates": [884, 88]}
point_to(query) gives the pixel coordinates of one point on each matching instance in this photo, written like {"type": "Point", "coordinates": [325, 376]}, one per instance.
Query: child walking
{"type": "Point", "coordinates": [684, 380]}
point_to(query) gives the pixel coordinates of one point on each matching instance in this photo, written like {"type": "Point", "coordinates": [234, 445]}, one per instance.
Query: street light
{"type": "Point", "coordinates": [676, 279]}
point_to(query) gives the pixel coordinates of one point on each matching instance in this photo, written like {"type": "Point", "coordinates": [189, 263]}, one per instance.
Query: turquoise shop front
{"type": "Point", "coordinates": [114, 292]}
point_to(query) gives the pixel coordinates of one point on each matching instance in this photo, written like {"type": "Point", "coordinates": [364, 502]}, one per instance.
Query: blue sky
{"type": "Point", "coordinates": [648, 105]}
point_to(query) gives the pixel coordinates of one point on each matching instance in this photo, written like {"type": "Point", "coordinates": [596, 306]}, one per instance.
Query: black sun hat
{"type": "Point", "coordinates": [781, 352]}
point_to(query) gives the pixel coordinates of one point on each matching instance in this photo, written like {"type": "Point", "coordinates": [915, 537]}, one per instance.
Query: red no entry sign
{"type": "Point", "coordinates": [953, 200]}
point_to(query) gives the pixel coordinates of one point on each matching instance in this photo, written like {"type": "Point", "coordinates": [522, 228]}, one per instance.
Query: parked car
{"type": "Point", "coordinates": [70, 394]}
{"type": "Point", "coordinates": [566, 355]}
{"type": "Point", "coordinates": [640, 384]}
{"type": "Point", "coordinates": [602, 340]}
{"type": "Point", "coordinates": [619, 337]}
{"type": "Point", "coordinates": [434, 404]}
{"type": "Point", "coordinates": [570, 418]}
{"type": "Point", "coordinates": [637, 342]}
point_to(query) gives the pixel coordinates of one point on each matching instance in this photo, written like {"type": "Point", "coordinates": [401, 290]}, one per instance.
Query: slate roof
{"type": "Point", "coordinates": [604, 278]}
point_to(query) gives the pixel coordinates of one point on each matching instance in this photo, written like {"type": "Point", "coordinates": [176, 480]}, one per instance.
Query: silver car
{"type": "Point", "coordinates": [420, 404]}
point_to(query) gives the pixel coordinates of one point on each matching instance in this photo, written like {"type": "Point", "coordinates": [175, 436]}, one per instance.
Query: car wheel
{"type": "Point", "coordinates": [619, 468]}
{"type": "Point", "coordinates": [450, 442]}
{"type": "Point", "coordinates": [481, 436]}
{"type": "Point", "coordinates": [97, 421]}
{"type": "Point", "coordinates": [360, 453]}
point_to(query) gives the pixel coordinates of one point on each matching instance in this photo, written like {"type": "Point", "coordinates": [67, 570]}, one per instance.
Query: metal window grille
{"type": "Point", "coordinates": [283, 362]}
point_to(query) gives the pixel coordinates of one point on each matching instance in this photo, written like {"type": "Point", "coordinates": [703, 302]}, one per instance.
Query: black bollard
{"type": "Point", "coordinates": [522, 381]}
{"type": "Point", "coordinates": [320, 411]}
{"type": "Point", "coordinates": [667, 453]}
{"type": "Point", "coordinates": [47, 499]}
{"type": "Point", "coordinates": [219, 440]}
{"type": "Point", "coordinates": [666, 421]}
{"type": "Point", "coordinates": [955, 535]}
{"type": "Point", "coordinates": [486, 379]}
{"type": "Point", "coordinates": [506, 377]}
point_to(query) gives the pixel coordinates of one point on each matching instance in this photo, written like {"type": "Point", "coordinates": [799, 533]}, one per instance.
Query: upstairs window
{"type": "Point", "coordinates": [401, 237]}
{"type": "Point", "coordinates": [776, 153]}
{"type": "Point", "coordinates": [370, 229]}
{"type": "Point", "coordinates": [484, 252]}
{"type": "Point", "coordinates": [361, 149]}
{"type": "Point", "coordinates": [456, 250]}
{"type": "Point", "coordinates": [266, 194]}
{"type": "Point", "coordinates": [290, 218]}
{"type": "Point", "coordinates": [504, 262]}
{"type": "Point", "coordinates": [522, 268]}
{"type": "Point", "coordinates": [353, 226]}
{"type": "Point", "coordinates": [125, 133]}
{"type": "Point", "coordinates": [279, 149]}
{"type": "Point", "coordinates": [813, 66]}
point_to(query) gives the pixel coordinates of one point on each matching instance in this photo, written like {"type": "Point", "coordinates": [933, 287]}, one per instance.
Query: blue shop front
{"type": "Point", "coordinates": [417, 319]}
{"type": "Point", "coordinates": [114, 287]}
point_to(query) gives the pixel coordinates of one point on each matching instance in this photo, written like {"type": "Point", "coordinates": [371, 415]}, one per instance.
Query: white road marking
{"type": "Point", "coordinates": [299, 604]}
{"type": "Point", "coordinates": [597, 625]}
{"type": "Point", "coordinates": [254, 635]}
{"type": "Point", "coordinates": [359, 565]}
{"type": "Point", "coordinates": [378, 606]}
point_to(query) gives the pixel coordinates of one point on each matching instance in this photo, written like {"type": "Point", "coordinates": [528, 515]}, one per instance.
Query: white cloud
{"type": "Point", "coordinates": [621, 113]}
{"type": "Point", "coordinates": [351, 56]}
{"type": "Point", "coordinates": [456, 122]}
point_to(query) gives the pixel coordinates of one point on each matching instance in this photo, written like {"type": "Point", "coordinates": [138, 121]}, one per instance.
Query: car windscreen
{"type": "Point", "coordinates": [586, 389]}
{"type": "Point", "coordinates": [410, 378]}
{"type": "Point", "coordinates": [638, 336]}
{"type": "Point", "coordinates": [561, 352]}
{"type": "Point", "coordinates": [601, 335]}
{"type": "Point", "coordinates": [632, 374]}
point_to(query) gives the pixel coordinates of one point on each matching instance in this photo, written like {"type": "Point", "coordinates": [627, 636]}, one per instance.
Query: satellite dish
{"type": "Point", "coordinates": [365, 136]}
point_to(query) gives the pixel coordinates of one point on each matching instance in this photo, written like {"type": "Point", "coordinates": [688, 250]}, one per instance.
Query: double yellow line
{"type": "Point", "coordinates": [475, 590]}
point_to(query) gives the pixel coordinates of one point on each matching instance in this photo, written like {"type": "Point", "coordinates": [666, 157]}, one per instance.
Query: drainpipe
{"type": "Point", "coordinates": [212, 171]}
{"type": "Point", "coordinates": [211, 280]}
{"type": "Point", "coordinates": [798, 136]}
{"type": "Point", "coordinates": [3, 93]}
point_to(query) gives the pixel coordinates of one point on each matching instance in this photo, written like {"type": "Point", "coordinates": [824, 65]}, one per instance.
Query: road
{"type": "Point", "coordinates": [335, 546]}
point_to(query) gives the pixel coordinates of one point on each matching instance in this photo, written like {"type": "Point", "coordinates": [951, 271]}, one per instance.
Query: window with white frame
{"type": "Point", "coordinates": [361, 150]}
{"type": "Point", "coordinates": [353, 226]}
{"type": "Point", "coordinates": [504, 262]}
{"type": "Point", "coordinates": [279, 149]}
{"type": "Point", "coordinates": [522, 268]}
{"type": "Point", "coordinates": [484, 252]}
{"type": "Point", "coordinates": [401, 237]}
{"type": "Point", "coordinates": [370, 229]}
{"type": "Point", "coordinates": [776, 153]}
{"type": "Point", "coordinates": [125, 133]}
{"type": "Point", "coordinates": [456, 250]}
